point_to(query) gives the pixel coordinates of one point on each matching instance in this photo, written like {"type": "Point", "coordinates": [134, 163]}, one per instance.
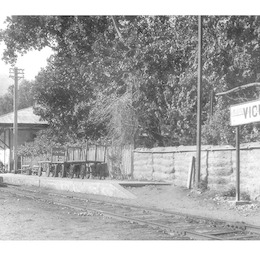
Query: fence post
{"type": "Point", "coordinates": [131, 152]}
{"type": "Point", "coordinates": [132, 160]}
{"type": "Point", "coordinates": [191, 172]}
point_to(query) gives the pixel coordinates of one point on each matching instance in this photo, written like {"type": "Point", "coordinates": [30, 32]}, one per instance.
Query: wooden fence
{"type": "Point", "coordinates": [127, 160]}
{"type": "Point", "coordinates": [118, 159]}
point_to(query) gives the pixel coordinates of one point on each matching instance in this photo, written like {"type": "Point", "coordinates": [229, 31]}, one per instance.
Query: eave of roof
{"type": "Point", "coordinates": [24, 117]}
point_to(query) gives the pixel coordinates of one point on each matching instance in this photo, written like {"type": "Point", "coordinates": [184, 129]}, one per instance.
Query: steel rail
{"type": "Point", "coordinates": [183, 231]}
{"type": "Point", "coordinates": [233, 225]}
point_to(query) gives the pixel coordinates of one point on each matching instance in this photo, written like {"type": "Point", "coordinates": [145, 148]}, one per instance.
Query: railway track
{"type": "Point", "coordinates": [174, 223]}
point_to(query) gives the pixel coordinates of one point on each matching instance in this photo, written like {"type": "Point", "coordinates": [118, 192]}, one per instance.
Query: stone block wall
{"type": "Point", "coordinates": [218, 166]}
{"type": "Point", "coordinates": [143, 166]}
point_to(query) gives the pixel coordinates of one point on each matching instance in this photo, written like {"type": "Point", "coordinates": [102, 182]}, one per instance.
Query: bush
{"type": "Point", "coordinates": [217, 129]}
{"type": "Point", "coordinates": [245, 196]}
{"type": "Point", "coordinates": [41, 145]}
{"type": "Point", "coordinates": [231, 192]}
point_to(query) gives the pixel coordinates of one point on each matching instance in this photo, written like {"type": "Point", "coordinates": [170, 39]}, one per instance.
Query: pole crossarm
{"type": "Point", "coordinates": [255, 84]}
{"type": "Point", "coordinates": [15, 72]}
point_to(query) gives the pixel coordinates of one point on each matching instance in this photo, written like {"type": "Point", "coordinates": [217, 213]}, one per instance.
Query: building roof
{"type": "Point", "coordinates": [25, 116]}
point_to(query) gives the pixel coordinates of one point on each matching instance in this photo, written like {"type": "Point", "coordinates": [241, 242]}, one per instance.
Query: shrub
{"type": "Point", "coordinates": [231, 192]}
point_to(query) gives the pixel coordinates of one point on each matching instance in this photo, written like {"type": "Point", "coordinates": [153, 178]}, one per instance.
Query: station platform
{"type": "Point", "coordinates": [111, 188]}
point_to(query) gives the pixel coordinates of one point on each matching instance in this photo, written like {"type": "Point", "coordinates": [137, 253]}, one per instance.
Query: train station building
{"type": "Point", "coordinates": [28, 125]}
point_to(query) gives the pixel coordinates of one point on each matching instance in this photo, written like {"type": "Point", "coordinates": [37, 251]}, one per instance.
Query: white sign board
{"type": "Point", "coordinates": [245, 113]}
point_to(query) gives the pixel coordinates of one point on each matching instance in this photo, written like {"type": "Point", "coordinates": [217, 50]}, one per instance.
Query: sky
{"type": "Point", "coordinates": [31, 62]}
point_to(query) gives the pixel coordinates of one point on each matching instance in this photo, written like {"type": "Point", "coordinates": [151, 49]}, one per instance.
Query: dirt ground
{"type": "Point", "coordinates": [24, 219]}
{"type": "Point", "coordinates": [207, 204]}
{"type": "Point", "coordinates": [27, 220]}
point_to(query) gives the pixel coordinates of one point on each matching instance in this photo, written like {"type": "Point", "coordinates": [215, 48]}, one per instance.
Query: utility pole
{"type": "Point", "coordinates": [16, 74]}
{"type": "Point", "coordinates": [199, 91]}
{"type": "Point", "coordinates": [211, 102]}
{"type": "Point", "coordinates": [237, 164]}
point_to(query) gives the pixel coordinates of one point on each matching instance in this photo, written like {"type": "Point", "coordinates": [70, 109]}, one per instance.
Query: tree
{"type": "Point", "coordinates": [234, 61]}
{"type": "Point", "coordinates": [149, 51]}
{"type": "Point", "coordinates": [26, 94]}
{"type": "Point", "coordinates": [62, 95]}
{"type": "Point", "coordinates": [6, 103]}
{"type": "Point", "coordinates": [64, 34]}
{"type": "Point", "coordinates": [151, 60]}
{"type": "Point", "coordinates": [64, 99]}
{"type": "Point", "coordinates": [25, 97]}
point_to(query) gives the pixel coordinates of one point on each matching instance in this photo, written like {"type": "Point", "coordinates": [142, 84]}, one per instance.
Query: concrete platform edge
{"type": "Point", "coordinates": [95, 187]}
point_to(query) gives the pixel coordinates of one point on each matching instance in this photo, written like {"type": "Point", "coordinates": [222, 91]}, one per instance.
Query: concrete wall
{"type": "Point", "coordinates": [218, 166]}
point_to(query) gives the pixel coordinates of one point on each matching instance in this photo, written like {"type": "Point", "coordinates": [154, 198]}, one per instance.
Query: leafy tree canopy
{"type": "Point", "coordinates": [150, 62]}
{"type": "Point", "coordinates": [25, 94]}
